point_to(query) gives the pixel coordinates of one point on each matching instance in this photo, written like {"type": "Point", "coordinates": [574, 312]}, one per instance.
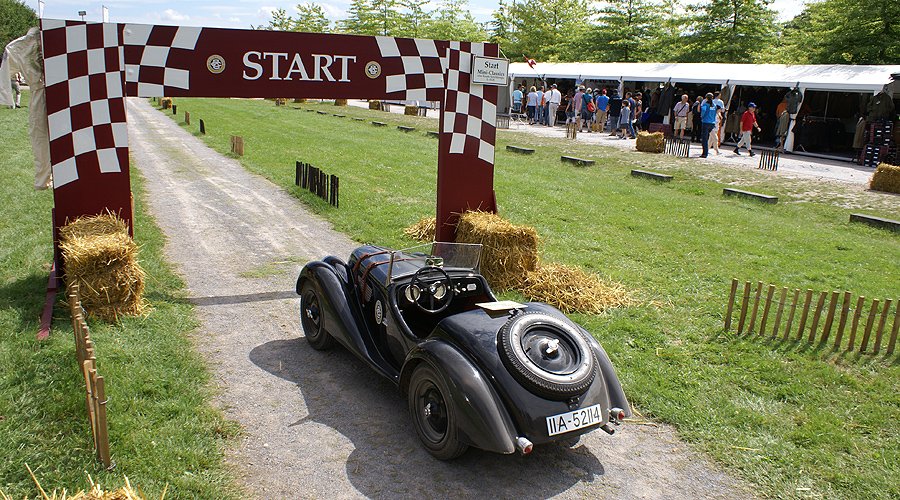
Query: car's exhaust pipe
{"type": "Point", "coordinates": [524, 445]}
{"type": "Point", "coordinates": [616, 415]}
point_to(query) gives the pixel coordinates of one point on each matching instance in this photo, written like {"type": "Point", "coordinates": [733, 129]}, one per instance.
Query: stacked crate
{"type": "Point", "coordinates": [880, 144]}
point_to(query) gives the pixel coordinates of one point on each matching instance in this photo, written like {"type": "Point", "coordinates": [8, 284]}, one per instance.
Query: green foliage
{"type": "Point", "coordinates": [732, 31]}
{"type": "Point", "coordinates": [162, 428]}
{"type": "Point", "coordinates": [16, 19]}
{"type": "Point", "coordinates": [795, 419]}
{"type": "Point", "coordinates": [541, 30]}
{"type": "Point", "coordinates": [453, 21]}
{"type": "Point", "coordinates": [845, 32]}
{"type": "Point", "coordinates": [625, 32]}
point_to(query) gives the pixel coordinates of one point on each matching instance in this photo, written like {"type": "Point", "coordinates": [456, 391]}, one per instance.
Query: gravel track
{"type": "Point", "coordinates": [322, 425]}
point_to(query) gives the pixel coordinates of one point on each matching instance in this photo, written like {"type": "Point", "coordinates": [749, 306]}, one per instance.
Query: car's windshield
{"type": "Point", "coordinates": [465, 256]}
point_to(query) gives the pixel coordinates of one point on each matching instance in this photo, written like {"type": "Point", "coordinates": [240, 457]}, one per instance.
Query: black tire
{"type": "Point", "coordinates": [434, 414]}
{"type": "Point", "coordinates": [568, 372]}
{"type": "Point", "coordinates": [312, 320]}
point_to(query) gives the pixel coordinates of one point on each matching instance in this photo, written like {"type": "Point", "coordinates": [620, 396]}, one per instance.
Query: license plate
{"type": "Point", "coordinates": [574, 420]}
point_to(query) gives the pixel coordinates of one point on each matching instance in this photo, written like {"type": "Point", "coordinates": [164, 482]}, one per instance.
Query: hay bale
{"type": "Point", "coordinates": [376, 105]}
{"type": "Point", "coordinates": [651, 143]}
{"type": "Point", "coordinates": [340, 102]}
{"type": "Point", "coordinates": [165, 102]}
{"type": "Point", "coordinates": [411, 110]}
{"type": "Point", "coordinates": [96, 492]}
{"type": "Point", "coordinates": [299, 100]}
{"type": "Point", "coordinates": [886, 178]}
{"type": "Point", "coordinates": [509, 252]}
{"type": "Point", "coordinates": [422, 230]}
{"type": "Point", "coordinates": [99, 255]}
{"type": "Point", "coordinates": [570, 290]}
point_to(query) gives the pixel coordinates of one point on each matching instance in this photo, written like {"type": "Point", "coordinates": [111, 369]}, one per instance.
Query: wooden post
{"type": "Point", "coordinates": [202, 127]}
{"type": "Point", "coordinates": [759, 286]}
{"type": "Point", "coordinates": [187, 118]}
{"type": "Point", "coordinates": [803, 316]}
{"type": "Point", "coordinates": [872, 312]}
{"type": "Point", "coordinates": [829, 320]}
{"type": "Point", "coordinates": [780, 310]}
{"type": "Point", "coordinates": [744, 303]}
{"type": "Point", "coordinates": [818, 314]}
{"type": "Point", "coordinates": [765, 316]}
{"type": "Point", "coordinates": [102, 442]}
{"type": "Point", "coordinates": [859, 305]}
{"type": "Point", "coordinates": [87, 368]}
{"type": "Point", "coordinates": [734, 284]}
{"type": "Point", "coordinates": [884, 314]}
{"type": "Point", "coordinates": [845, 311]}
{"type": "Point", "coordinates": [893, 342]}
{"type": "Point", "coordinates": [790, 321]}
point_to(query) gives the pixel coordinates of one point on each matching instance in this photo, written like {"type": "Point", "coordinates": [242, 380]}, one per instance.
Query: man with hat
{"type": "Point", "coordinates": [748, 123]}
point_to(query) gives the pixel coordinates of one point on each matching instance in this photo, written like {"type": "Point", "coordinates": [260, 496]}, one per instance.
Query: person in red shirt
{"type": "Point", "coordinates": [748, 123]}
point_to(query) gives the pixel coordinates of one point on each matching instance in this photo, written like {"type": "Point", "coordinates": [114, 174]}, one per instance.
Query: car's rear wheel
{"type": "Point", "coordinates": [547, 355]}
{"type": "Point", "coordinates": [312, 319]}
{"type": "Point", "coordinates": [434, 414]}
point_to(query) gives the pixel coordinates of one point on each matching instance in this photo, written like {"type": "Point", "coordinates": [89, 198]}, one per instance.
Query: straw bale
{"type": "Point", "coordinates": [96, 492]}
{"type": "Point", "coordinates": [422, 230]}
{"type": "Point", "coordinates": [411, 110]}
{"type": "Point", "coordinates": [376, 105]}
{"type": "Point", "coordinates": [299, 100]}
{"type": "Point", "coordinates": [509, 251]}
{"type": "Point", "coordinates": [650, 143]}
{"type": "Point", "coordinates": [165, 102]}
{"type": "Point", "coordinates": [570, 289]}
{"type": "Point", "coordinates": [340, 102]}
{"type": "Point", "coordinates": [886, 178]}
{"type": "Point", "coordinates": [101, 257]}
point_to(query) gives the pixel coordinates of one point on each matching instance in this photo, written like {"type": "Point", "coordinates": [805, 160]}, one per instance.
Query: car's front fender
{"type": "Point", "coordinates": [483, 421]}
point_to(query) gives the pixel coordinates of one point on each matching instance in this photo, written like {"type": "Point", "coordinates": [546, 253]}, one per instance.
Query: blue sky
{"type": "Point", "coordinates": [243, 13]}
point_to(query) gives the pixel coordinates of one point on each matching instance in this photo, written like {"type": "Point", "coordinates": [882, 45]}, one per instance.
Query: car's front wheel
{"type": "Point", "coordinates": [312, 320]}
{"type": "Point", "coordinates": [434, 414]}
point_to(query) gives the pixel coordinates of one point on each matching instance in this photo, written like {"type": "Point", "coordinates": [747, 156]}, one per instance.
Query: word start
{"type": "Point", "coordinates": [285, 66]}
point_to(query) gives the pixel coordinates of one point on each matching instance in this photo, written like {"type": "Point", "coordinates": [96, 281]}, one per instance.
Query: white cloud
{"type": "Point", "coordinates": [174, 16]}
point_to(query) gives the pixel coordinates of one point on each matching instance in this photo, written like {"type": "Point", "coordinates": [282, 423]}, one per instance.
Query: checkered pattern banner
{"type": "Point", "coordinates": [468, 116]}
{"type": "Point", "coordinates": [157, 58]}
{"type": "Point", "coordinates": [85, 80]}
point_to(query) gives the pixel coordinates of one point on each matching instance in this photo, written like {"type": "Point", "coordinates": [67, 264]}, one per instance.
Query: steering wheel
{"type": "Point", "coordinates": [437, 293]}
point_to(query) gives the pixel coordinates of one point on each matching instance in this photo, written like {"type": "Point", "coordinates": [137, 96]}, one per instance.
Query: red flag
{"type": "Point", "coordinates": [531, 62]}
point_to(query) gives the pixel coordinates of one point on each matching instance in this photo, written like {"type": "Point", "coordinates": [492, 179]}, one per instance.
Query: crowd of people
{"type": "Point", "coordinates": [600, 110]}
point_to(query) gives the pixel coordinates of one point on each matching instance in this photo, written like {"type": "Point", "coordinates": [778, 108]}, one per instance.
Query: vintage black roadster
{"type": "Point", "coordinates": [496, 375]}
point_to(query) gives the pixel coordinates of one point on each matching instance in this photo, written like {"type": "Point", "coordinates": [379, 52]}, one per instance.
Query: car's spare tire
{"type": "Point", "coordinates": [548, 356]}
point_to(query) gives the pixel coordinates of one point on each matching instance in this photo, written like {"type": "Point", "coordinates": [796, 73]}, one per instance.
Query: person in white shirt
{"type": "Point", "coordinates": [545, 117]}
{"type": "Point", "coordinates": [681, 113]}
{"type": "Point", "coordinates": [555, 99]}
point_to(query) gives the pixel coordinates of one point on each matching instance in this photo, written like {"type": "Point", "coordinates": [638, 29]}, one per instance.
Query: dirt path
{"type": "Point", "coordinates": [322, 424]}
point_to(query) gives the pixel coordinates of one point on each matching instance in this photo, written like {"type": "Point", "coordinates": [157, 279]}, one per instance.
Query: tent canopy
{"type": "Point", "coordinates": [835, 77]}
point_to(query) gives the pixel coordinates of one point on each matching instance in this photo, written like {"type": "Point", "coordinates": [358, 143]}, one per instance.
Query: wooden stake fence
{"type": "Point", "coordinates": [678, 147]}
{"type": "Point", "coordinates": [237, 145]}
{"type": "Point", "coordinates": [875, 331]}
{"type": "Point", "coordinates": [94, 384]}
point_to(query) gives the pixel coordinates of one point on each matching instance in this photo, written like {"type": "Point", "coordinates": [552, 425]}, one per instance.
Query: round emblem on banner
{"type": "Point", "coordinates": [216, 64]}
{"type": "Point", "coordinates": [379, 312]}
{"type": "Point", "coordinates": [373, 69]}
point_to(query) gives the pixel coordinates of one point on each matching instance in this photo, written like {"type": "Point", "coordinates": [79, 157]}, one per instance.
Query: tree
{"type": "Point", "coordinates": [623, 32]}
{"type": "Point", "coordinates": [311, 18]}
{"type": "Point", "coordinates": [373, 17]}
{"type": "Point", "coordinates": [17, 18]}
{"type": "Point", "coordinates": [845, 32]}
{"type": "Point", "coordinates": [453, 21]}
{"type": "Point", "coordinates": [732, 31]}
{"type": "Point", "coordinates": [414, 17]}
{"type": "Point", "coordinates": [539, 29]}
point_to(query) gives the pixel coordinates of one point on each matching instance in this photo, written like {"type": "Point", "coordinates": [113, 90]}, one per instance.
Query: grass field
{"type": "Point", "coordinates": [161, 425]}
{"type": "Point", "coordinates": [797, 420]}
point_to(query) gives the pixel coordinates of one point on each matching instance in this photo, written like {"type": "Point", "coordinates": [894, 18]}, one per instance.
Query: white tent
{"type": "Point", "coordinates": [828, 77]}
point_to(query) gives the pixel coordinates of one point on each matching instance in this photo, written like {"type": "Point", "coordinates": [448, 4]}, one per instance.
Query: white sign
{"type": "Point", "coordinates": [490, 71]}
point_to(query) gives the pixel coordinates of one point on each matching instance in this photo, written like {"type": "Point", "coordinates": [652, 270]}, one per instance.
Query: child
{"type": "Point", "coordinates": [625, 119]}
{"type": "Point", "coordinates": [748, 123]}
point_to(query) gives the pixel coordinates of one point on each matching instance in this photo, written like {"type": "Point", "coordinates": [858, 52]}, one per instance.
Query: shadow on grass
{"type": "Point", "coordinates": [25, 296]}
{"type": "Point", "coordinates": [341, 393]}
{"type": "Point", "coordinates": [241, 299]}
{"type": "Point", "coordinates": [823, 350]}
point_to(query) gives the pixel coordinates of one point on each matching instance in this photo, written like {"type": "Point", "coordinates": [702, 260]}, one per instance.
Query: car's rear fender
{"type": "Point", "coordinates": [613, 386]}
{"type": "Point", "coordinates": [483, 421]}
{"type": "Point", "coordinates": [342, 317]}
